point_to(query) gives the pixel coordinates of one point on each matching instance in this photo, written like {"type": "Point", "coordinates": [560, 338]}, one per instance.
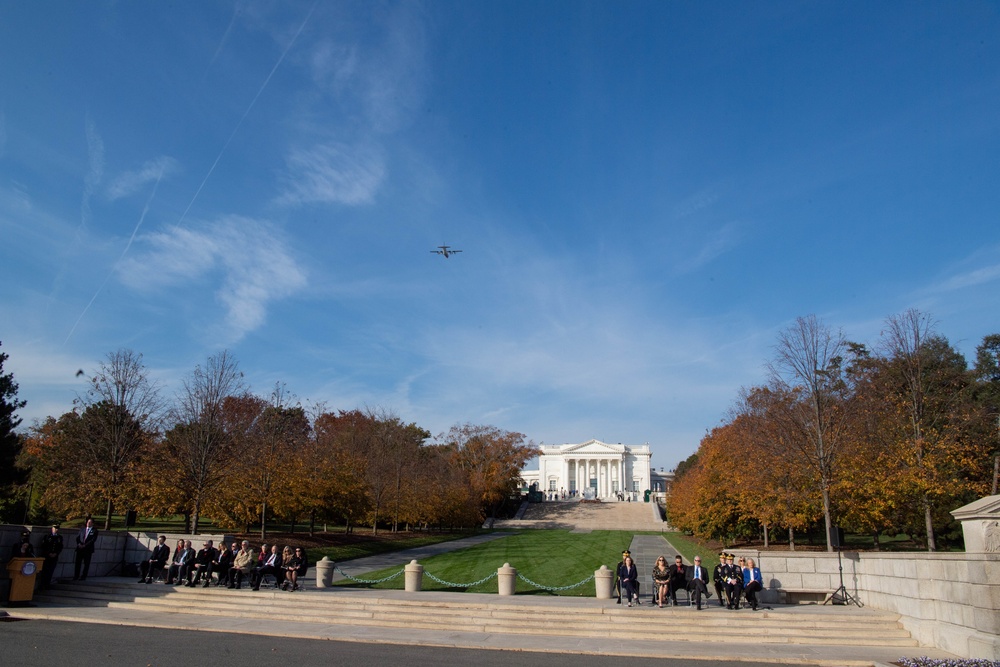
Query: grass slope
{"type": "Point", "coordinates": [550, 558]}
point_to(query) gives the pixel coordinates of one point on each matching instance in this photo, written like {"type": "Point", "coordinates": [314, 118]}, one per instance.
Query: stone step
{"type": "Point", "coordinates": [474, 615]}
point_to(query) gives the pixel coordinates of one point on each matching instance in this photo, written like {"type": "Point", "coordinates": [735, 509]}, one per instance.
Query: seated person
{"type": "Point", "coordinates": [156, 562]}
{"type": "Point", "coordinates": [243, 564]}
{"type": "Point", "coordinates": [699, 582]}
{"type": "Point", "coordinates": [223, 563]}
{"type": "Point", "coordinates": [272, 566]}
{"type": "Point", "coordinates": [661, 581]}
{"type": "Point", "coordinates": [201, 567]}
{"type": "Point", "coordinates": [294, 568]}
{"type": "Point", "coordinates": [734, 582]}
{"type": "Point", "coordinates": [628, 577]}
{"type": "Point", "coordinates": [752, 582]}
{"type": "Point", "coordinates": [678, 578]}
{"type": "Point", "coordinates": [719, 578]}
{"type": "Point", "coordinates": [183, 557]}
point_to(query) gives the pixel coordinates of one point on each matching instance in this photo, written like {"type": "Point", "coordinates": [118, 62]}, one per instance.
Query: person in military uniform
{"type": "Point", "coordinates": [52, 546]}
{"type": "Point", "coordinates": [734, 582]}
{"type": "Point", "coordinates": [719, 578]}
{"type": "Point", "coordinates": [24, 549]}
{"type": "Point", "coordinates": [618, 583]}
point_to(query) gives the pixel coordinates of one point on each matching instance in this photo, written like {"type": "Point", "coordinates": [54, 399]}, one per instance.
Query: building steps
{"type": "Point", "coordinates": [524, 615]}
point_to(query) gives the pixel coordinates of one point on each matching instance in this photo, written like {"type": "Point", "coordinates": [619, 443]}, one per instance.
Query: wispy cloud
{"type": "Point", "coordinates": [382, 74]}
{"type": "Point", "coordinates": [333, 173]}
{"type": "Point", "coordinates": [256, 267]}
{"type": "Point", "coordinates": [130, 182]}
{"type": "Point", "coordinates": [971, 278]}
{"type": "Point", "coordinates": [718, 243]}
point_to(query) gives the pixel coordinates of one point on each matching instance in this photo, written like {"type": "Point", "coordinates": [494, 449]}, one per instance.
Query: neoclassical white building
{"type": "Point", "coordinates": [593, 469]}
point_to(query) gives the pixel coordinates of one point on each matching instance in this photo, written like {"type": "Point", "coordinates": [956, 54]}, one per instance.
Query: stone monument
{"type": "Point", "coordinates": [981, 525]}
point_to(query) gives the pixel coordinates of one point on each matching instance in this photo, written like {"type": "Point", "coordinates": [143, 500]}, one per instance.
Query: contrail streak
{"type": "Point", "coordinates": [145, 210]}
{"type": "Point", "coordinates": [247, 112]}
{"type": "Point", "coordinates": [207, 176]}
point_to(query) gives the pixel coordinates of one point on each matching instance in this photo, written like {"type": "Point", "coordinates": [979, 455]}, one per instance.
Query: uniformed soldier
{"type": "Point", "coordinates": [734, 582]}
{"type": "Point", "coordinates": [618, 583]}
{"type": "Point", "coordinates": [719, 578]}
{"type": "Point", "coordinates": [52, 546]}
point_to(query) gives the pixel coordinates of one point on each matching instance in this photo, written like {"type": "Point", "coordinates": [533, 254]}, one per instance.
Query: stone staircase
{"type": "Point", "coordinates": [586, 516]}
{"type": "Point", "coordinates": [461, 612]}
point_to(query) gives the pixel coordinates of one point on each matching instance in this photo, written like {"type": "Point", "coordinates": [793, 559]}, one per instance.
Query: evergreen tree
{"type": "Point", "coordinates": [11, 479]}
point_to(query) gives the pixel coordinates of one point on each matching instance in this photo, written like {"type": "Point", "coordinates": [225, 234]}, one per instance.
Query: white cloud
{"type": "Point", "coordinates": [256, 267]}
{"type": "Point", "coordinates": [333, 173]}
{"type": "Point", "coordinates": [130, 182]}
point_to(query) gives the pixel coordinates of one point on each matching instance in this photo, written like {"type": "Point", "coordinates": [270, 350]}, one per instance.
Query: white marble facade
{"type": "Point", "coordinates": [592, 469]}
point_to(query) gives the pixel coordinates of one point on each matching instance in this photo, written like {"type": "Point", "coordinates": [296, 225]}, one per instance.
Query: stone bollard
{"type": "Point", "coordinates": [506, 579]}
{"type": "Point", "coordinates": [604, 583]}
{"type": "Point", "coordinates": [414, 576]}
{"type": "Point", "coordinates": [324, 572]}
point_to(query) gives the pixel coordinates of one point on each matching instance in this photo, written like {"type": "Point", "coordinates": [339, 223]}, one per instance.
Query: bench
{"type": "Point", "coordinates": [799, 595]}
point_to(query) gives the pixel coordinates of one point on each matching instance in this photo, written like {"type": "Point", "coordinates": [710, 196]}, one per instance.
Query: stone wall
{"type": "Point", "coordinates": [946, 600]}
{"type": "Point", "coordinates": [111, 550]}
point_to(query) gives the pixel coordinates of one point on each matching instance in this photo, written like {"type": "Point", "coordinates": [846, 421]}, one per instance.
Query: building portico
{"type": "Point", "coordinates": [592, 469]}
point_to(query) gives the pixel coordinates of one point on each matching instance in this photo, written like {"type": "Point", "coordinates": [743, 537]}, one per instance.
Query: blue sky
{"type": "Point", "coordinates": [645, 193]}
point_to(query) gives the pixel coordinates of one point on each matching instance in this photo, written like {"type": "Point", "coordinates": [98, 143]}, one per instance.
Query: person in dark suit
{"type": "Point", "coordinates": [678, 578]}
{"type": "Point", "coordinates": [222, 564]}
{"type": "Point", "coordinates": [202, 565]}
{"type": "Point", "coordinates": [699, 582]}
{"type": "Point", "coordinates": [272, 565]}
{"type": "Point", "coordinates": [156, 562]}
{"type": "Point", "coordinates": [628, 576]}
{"type": "Point", "coordinates": [183, 558]}
{"type": "Point", "coordinates": [52, 546]}
{"type": "Point", "coordinates": [85, 541]}
{"type": "Point", "coordinates": [719, 578]}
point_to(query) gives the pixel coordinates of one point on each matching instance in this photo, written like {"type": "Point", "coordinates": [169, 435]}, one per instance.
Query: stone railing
{"type": "Point", "coordinates": [112, 550]}
{"type": "Point", "coordinates": [947, 600]}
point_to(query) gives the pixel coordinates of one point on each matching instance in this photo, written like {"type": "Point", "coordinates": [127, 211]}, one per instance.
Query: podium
{"type": "Point", "coordinates": [22, 573]}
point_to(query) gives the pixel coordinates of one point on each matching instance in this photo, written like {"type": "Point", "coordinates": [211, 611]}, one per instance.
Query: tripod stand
{"type": "Point", "coordinates": [841, 596]}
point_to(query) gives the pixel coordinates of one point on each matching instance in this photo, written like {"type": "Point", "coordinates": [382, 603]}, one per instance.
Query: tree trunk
{"type": "Point", "coordinates": [765, 535]}
{"type": "Point", "coordinates": [875, 542]}
{"type": "Point", "coordinates": [263, 521]}
{"type": "Point", "coordinates": [791, 539]}
{"type": "Point", "coordinates": [826, 517]}
{"type": "Point", "coordinates": [107, 516]}
{"type": "Point", "coordinates": [312, 523]}
{"type": "Point", "coordinates": [929, 524]}
{"type": "Point", "coordinates": [195, 516]}
{"type": "Point", "coordinates": [996, 472]}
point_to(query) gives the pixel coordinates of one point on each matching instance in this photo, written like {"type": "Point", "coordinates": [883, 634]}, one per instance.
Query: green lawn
{"type": "Point", "coordinates": [550, 558]}
{"type": "Point", "coordinates": [344, 552]}
{"type": "Point", "coordinates": [689, 548]}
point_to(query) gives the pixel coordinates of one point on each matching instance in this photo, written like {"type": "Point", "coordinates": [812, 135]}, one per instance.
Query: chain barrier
{"type": "Point", "coordinates": [368, 581]}
{"type": "Point", "coordinates": [552, 588]}
{"type": "Point", "coordinates": [451, 584]}
{"type": "Point", "coordinates": [454, 585]}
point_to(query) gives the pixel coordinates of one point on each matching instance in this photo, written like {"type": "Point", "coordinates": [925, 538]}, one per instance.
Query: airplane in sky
{"type": "Point", "coordinates": [446, 251]}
